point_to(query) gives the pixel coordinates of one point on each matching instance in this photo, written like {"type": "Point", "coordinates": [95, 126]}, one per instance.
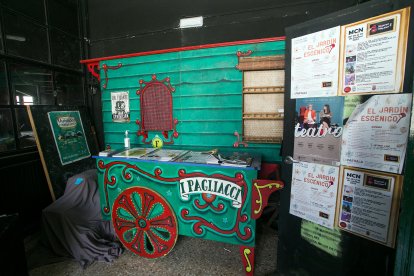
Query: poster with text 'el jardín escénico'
{"type": "Point", "coordinates": [376, 133]}
{"type": "Point", "coordinates": [364, 57]}
{"type": "Point", "coordinates": [314, 192]}
{"type": "Point", "coordinates": [314, 64]}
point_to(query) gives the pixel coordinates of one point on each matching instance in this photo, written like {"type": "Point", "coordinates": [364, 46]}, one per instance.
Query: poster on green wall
{"type": "Point", "coordinates": [69, 136]}
{"type": "Point", "coordinates": [120, 107]}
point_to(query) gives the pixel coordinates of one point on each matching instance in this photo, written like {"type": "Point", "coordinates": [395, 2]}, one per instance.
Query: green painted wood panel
{"type": "Point", "coordinates": [201, 77]}
{"type": "Point", "coordinates": [207, 100]}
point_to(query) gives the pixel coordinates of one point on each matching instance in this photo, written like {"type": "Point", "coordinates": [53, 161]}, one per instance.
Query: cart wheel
{"type": "Point", "coordinates": [144, 222]}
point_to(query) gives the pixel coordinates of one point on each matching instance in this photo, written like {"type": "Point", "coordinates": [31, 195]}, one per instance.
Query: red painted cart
{"type": "Point", "coordinates": [151, 203]}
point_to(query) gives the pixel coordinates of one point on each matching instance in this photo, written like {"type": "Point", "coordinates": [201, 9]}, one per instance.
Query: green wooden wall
{"type": "Point", "coordinates": [207, 100]}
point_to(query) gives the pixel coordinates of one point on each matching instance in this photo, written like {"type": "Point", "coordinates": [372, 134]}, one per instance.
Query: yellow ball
{"type": "Point", "coordinates": [157, 142]}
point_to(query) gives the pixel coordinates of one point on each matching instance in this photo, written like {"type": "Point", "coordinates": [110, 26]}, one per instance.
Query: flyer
{"type": "Point", "coordinates": [69, 136]}
{"type": "Point", "coordinates": [373, 57]}
{"type": "Point", "coordinates": [368, 204]}
{"type": "Point", "coordinates": [375, 135]}
{"type": "Point", "coordinates": [314, 192]}
{"type": "Point", "coordinates": [318, 130]}
{"type": "Point", "coordinates": [315, 62]}
{"type": "Point", "coordinates": [120, 107]}
{"type": "Point", "coordinates": [327, 240]}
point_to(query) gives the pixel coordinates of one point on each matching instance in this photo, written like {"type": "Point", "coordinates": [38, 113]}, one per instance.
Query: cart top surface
{"type": "Point", "coordinates": [254, 164]}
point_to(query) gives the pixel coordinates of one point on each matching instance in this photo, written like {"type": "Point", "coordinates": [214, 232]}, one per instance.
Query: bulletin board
{"type": "Point", "coordinates": [319, 250]}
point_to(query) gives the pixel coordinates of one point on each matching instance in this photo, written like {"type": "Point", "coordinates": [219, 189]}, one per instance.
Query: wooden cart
{"type": "Point", "coordinates": [150, 203]}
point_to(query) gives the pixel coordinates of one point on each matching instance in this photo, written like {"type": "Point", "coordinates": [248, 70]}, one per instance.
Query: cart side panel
{"type": "Point", "coordinates": [210, 202]}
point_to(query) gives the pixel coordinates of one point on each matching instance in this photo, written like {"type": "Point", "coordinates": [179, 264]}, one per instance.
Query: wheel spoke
{"type": "Point", "coordinates": [138, 242]}
{"type": "Point", "coordinates": [162, 222]}
{"type": "Point", "coordinates": [123, 201]}
{"type": "Point", "coordinates": [121, 223]}
{"type": "Point", "coordinates": [147, 204]}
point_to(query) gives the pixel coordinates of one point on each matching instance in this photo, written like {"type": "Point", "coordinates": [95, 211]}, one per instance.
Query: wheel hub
{"type": "Point", "coordinates": [142, 223]}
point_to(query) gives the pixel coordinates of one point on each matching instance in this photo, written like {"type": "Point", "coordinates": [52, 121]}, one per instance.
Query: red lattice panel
{"type": "Point", "coordinates": [156, 108]}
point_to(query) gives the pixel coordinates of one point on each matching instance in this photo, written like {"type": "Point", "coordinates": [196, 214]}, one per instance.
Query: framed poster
{"type": "Point", "coordinates": [120, 107]}
{"type": "Point", "coordinates": [373, 54]}
{"type": "Point", "coordinates": [69, 136]}
{"type": "Point", "coordinates": [375, 135]}
{"type": "Point", "coordinates": [314, 64]}
{"type": "Point", "coordinates": [43, 129]}
{"type": "Point", "coordinates": [368, 204]}
{"type": "Point", "coordinates": [314, 192]}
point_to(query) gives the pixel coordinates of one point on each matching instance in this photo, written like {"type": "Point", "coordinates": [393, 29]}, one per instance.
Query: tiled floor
{"type": "Point", "coordinates": [190, 256]}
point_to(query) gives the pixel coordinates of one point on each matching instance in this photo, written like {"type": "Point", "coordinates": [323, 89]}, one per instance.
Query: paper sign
{"type": "Point", "coordinates": [315, 61]}
{"type": "Point", "coordinates": [375, 135]}
{"type": "Point", "coordinates": [120, 107]}
{"type": "Point", "coordinates": [373, 60]}
{"type": "Point", "coordinates": [366, 204]}
{"type": "Point", "coordinates": [314, 192]}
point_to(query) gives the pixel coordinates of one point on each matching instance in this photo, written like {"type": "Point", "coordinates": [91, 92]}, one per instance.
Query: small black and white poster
{"type": "Point", "coordinates": [120, 107]}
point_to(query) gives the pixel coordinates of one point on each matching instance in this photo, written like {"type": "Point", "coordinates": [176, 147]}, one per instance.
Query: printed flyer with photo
{"type": "Point", "coordinates": [367, 204]}
{"type": "Point", "coordinates": [315, 62]}
{"type": "Point", "coordinates": [120, 107]}
{"type": "Point", "coordinates": [375, 135]}
{"type": "Point", "coordinates": [314, 192]}
{"type": "Point", "coordinates": [373, 57]}
{"type": "Point", "coordinates": [318, 130]}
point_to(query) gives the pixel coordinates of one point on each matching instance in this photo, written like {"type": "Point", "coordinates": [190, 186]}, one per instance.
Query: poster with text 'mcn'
{"type": "Point", "coordinates": [368, 204]}
{"type": "Point", "coordinates": [373, 54]}
{"type": "Point", "coordinates": [364, 57]}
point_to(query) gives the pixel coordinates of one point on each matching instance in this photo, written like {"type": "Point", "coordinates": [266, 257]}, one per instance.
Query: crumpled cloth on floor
{"type": "Point", "coordinates": [73, 226]}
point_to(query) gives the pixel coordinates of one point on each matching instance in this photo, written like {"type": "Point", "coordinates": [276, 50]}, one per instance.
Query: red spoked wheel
{"type": "Point", "coordinates": [144, 222]}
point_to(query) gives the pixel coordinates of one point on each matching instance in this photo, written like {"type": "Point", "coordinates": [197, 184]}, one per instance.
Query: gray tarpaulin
{"type": "Point", "coordinates": [73, 225]}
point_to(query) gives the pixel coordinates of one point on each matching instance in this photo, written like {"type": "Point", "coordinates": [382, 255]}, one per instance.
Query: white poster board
{"type": "Point", "coordinates": [314, 64]}
{"type": "Point", "coordinates": [314, 192]}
